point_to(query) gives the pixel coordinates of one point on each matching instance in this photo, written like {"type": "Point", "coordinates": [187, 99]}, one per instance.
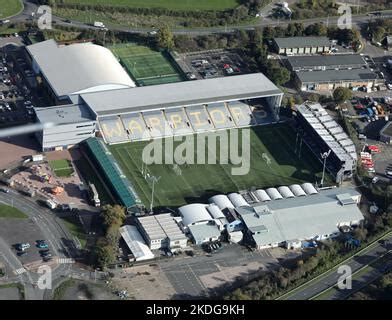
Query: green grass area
{"type": "Point", "coordinates": [62, 168]}
{"type": "Point", "coordinates": [91, 176]}
{"type": "Point", "coordinates": [75, 227]}
{"type": "Point", "coordinates": [198, 182]}
{"type": "Point", "coordinates": [11, 212]}
{"type": "Point", "coordinates": [59, 292]}
{"type": "Point", "coordinates": [10, 8]}
{"type": "Point", "coordinates": [168, 4]}
{"type": "Point", "coordinates": [17, 285]}
{"type": "Point", "coordinates": [145, 65]}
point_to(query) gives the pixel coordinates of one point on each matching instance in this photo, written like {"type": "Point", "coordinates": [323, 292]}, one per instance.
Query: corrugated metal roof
{"type": "Point", "coordinates": [347, 60]}
{"type": "Point", "coordinates": [135, 243]}
{"type": "Point", "coordinates": [302, 42]}
{"type": "Point", "coordinates": [336, 75]}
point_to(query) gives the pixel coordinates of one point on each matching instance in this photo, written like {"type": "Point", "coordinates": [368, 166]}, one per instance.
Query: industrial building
{"type": "Point", "coordinates": [327, 72]}
{"type": "Point", "coordinates": [302, 45]}
{"type": "Point", "coordinates": [287, 215]}
{"type": "Point", "coordinates": [322, 133]}
{"type": "Point", "coordinates": [326, 62]}
{"type": "Point", "coordinates": [331, 79]}
{"type": "Point", "coordinates": [136, 243]}
{"type": "Point", "coordinates": [161, 232]}
{"type": "Point", "coordinates": [289, 221]}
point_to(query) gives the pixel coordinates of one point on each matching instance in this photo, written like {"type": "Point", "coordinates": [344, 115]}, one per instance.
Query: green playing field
{"type": "Point", "coordinates": [145, 65]}
{"type": "Point", "coordinates": [273, 162]}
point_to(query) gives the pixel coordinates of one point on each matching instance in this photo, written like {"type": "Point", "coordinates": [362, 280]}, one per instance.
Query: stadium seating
{"type": "Point", "coordinates": [113, 129]}
{"type": "Point", "coordinates": [241, 114]}
{"type": "Point", "coordinates": [178, 121]}
{"type": "Point", "coordinates": [137, 129]}
{"type": "Point", "coordinates": [157, 124]}
{"type": "Point", "coordinates": [220, 116]}
{"type": "Point", "coordinates": [199, 118]}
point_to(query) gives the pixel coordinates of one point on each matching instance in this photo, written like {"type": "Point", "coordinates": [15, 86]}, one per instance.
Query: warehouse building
{"type": "Point", "coordinates": [289, 221]}
{"type": "Point", "coordinates": [136, 243]}
{"type": "Point", "coordinates": [76, 68]}
{"type": "Point", "coordinates": [302, 45]}
{"type": "Point", "coordinates": [161, 232]}
{"type": "Point", "coordinates": [331, 79]}
{"type": "Point", "coordinates": [326, 62]}
{"type": "Point", "coordinates": [322, 133]}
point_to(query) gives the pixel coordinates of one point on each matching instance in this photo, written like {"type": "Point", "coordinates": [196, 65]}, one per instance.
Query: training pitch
{"type": "Point", "coordinates": [146, 66]}
{"type": "Point", "coordinates": [274, 161]}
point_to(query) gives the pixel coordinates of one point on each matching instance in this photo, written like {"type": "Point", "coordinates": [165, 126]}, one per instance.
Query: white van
{"type": "Point", "coordinates": [51, 204]}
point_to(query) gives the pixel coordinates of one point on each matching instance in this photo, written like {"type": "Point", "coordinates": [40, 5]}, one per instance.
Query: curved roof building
{"type": "Point", "coordinates": [78, 68]}
{"type": "Point", "coordinates": [194, 213]}
{"type": "Point", "coordinates": [237, 199]}
{"type": "Point", "coordinates": [262, 195]}
{"type": "Point", "coordinates": [222, 201]}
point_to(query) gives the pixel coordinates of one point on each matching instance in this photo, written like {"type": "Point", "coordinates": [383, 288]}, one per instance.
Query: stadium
{"type": "Point", "coordinates": [113, 120]}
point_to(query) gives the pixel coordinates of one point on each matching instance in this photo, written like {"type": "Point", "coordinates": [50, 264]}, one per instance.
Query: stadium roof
{"type": "Point", "coordinates": [330, 60]}
{"type": "Point", "coordinates": [336, 76]}
{"type": "Point", "coordinates": [64, 114]}
{"type": "Point", "coordinates": [180, 94]}
{"type": "Point", "coordinates": [302, 42]}
{"type": "Point", "coordinates": [331, 136]}
{"type": "Point", "coordinates": [135, 243]}
{"type": "Point", "coordinates": [81, 67]}
{"type": "Point", "coordinates": [302, 217]}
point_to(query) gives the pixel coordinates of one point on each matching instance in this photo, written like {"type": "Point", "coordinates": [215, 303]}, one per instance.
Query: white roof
{"type": "Point", "coordinates": [186, 93]}
{"type": "Point", "coordinates": [262, 195]}
{"type": "Point", "coordinates": [302, 218]}
{"type": "Point", "coordinates": [237, 199]}
{"type": "Point", "coordinates": [215, 212]}
{"type": "Point", "coordinates": [135, 243]}
{"type": "Point", "coordinates": [79, 68]}
{"type": "Point", "coordinates": [222, 201]}
{"type": "Point", "coordinates": [193, 213]}
{"type": "Point", "coordinates": [161, 226]}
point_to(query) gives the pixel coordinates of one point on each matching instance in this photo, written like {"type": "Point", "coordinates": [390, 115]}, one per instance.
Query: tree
{"type": "Point", "coordinates": [165, 38]}
{"type": "Point", "coordinates": [342, 94]}
{"type": "Point", "coordinates": [104, 255]}
{"type": "Point", "coordinates": [113, 216]}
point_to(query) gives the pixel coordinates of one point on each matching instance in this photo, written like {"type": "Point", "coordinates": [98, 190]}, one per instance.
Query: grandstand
{"type": "Point", "coordinates": [185, 108]}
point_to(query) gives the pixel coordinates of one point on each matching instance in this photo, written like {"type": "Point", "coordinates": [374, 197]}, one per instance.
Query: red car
{"type": "Point", "coordinates": [374, 149]}
{"type": "Point", "coordinates": [359, 107]}
{"type": "Point", "coordinates": [226, 66]}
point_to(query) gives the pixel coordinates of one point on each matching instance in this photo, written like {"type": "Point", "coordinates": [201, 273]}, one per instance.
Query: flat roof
{"type": "Point", "coordinates": [204, 231]}
{"type": "Point", "coordinates": [328, 60]}
{"type": "Point", "coordinates": [336, 75]}
{"type": "Point", "coordinates": [178, 94]}
{"type": "Point", "coordinates": [64, 114]}
{"type": "Point", "coordinates": [302, 42]}
{"type": "Point", "coordinates": [302, 217]}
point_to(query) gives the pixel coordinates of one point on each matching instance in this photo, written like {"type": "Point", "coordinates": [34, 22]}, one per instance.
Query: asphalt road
{"type": "Point", "coordinates": [56, 235]}
{"type": "Point", "coordinates": [356, 20]}
{"type": "Point", "coordinates": [330, 279]}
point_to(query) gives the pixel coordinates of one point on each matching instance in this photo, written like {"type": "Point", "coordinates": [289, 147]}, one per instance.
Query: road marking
{"type": "Point", "coordinates": [65, 260]}
{"type": "Point", "coordinates": [20, 271]}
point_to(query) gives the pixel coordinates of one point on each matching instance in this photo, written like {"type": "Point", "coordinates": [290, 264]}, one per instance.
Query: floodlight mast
{"type": "Point", "coordinates": [324, 156]}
